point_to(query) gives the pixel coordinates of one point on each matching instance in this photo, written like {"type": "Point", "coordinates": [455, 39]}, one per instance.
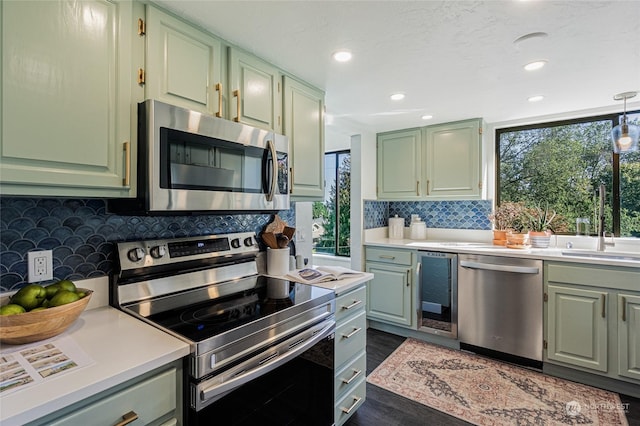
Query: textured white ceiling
{"type": "Point", "coordinates": [452, 59]}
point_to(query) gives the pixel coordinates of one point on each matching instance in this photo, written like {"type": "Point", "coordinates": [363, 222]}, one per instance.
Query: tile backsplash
{"type": "Point", "coordinates": [82, 234]}
{"type": "Point", "coordinates": [464, 214]}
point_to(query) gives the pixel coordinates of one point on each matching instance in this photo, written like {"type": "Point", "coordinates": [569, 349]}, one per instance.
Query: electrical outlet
{"type": "Point", "coordinates": [40, 265]}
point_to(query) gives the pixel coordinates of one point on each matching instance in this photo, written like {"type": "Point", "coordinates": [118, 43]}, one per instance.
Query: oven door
{"type": "Point", "coordinates": [291, 382]}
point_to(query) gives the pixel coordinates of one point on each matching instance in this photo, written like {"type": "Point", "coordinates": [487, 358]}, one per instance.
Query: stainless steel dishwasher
{"type": "Point", "coordinates": [500, 306]}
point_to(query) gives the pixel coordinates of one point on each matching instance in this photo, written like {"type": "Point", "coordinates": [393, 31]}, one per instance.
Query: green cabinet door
{"type": "Point", "coordinates": [184, 64]}
{"type": "Point", "coordinates": [399, 165]}
{"type": "Point", "coordinates": [389, 294]}
{"type": "Point", "coordinates": [452, 160]}
{"type": "Point", "coordinates": [629, 335]}
{"type": "Point", "coordinates": [67, 83]}
{"type": "Point", "coordinates": [304, 125]}
{"type": "Point", "coordinates": [577, 327]}
{"type": "Point", "coordinates": [254, 91]}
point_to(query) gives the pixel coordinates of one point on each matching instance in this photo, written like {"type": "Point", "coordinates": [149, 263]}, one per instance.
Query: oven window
{"type": "Point", "coordinates": [190, 161]}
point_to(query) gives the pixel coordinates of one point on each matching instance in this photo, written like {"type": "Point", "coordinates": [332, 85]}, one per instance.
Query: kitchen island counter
{"type": "Point", "coordinates": [121, 348]}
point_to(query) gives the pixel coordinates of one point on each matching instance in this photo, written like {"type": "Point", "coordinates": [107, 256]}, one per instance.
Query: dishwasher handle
{"type": "Point", "coordinates": [500, 268]}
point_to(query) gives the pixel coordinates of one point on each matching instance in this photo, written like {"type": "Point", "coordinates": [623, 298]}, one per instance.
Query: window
{"type": "Point", "coordinates": [563, 164]}
{"type": "Point", "coordinates": [331, 228]}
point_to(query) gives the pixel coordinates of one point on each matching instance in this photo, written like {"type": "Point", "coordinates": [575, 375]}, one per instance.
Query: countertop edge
{"type": "Point", "coordinates": [549, 254]}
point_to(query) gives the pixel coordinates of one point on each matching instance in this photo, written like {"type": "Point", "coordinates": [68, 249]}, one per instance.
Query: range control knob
{"type": "Point", "coordinates": [235, 243]}
{"type": "Point", "coordinates": [136, 254]}
{"type": "Point", "coordinates": [157, 252]}
{"type": "Point", "coordinates": [248, 242]}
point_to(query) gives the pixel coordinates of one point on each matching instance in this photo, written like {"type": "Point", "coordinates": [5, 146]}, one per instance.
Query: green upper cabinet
{"type": "Point", "coordinates": [437, 162]}
{"type": "Point", "coordinates": [452, 160]}
{"type": "Point", "coordinates": [67, 88]}
{"type": "Point", "coordinates": [304, 125]}
{"type": "Point", "coordinates": [399, 165]}
{"type": "Point", "coordinates": [184, 64]}
{"type": "Point", "coordinates": [254, 91]}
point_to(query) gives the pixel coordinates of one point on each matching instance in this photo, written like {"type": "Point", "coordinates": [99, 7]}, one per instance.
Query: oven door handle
{"type": "Point", "coordinates": [272, 362]}
{"type": "Point", "coordinates": [274, 170]}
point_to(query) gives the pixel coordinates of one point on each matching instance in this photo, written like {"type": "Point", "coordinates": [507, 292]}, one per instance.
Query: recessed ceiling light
{"type": "Point", "coordinates": [535, 65]}
{"type": "Point", "coordinates": [427, 117]}
{"type": "Point", "coordinates": [536, 98]}
{"type": "Point", "coordinates": [342, 56]}
{"type": "Point", "coordinates": [397, 96]}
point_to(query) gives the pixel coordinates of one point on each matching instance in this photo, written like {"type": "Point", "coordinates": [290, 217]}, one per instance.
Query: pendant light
{"type": "Point", "coordinates": [625, 136]}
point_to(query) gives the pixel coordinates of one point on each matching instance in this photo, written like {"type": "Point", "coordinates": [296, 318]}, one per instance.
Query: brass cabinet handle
{"type": "Point", "coordinates": [236, 94]}
{"type": "Point", "coordinates": [408, 277]}
{"type": "Point", "coordinates": [353, 305]}
{"type": "Point", "coordinates": [428, 187]}
{"type": "Point", "coordinates": [418, 187]}
{"type": "Point", "coordinates": [219, 90]}
{"type": "Point", "coordinates": [603, 300]}
{"type": "Point", "coordinates": [353, 333]}
{"type": "Point", "coordinates": [624, 308]}
{"type": "Point", "coordinates": [356, 373]}
{"type": "Point", "coordinates": [356, 400]}
{"type": "Point", "coordinates": [386, 256]}
{"type": "Point", "coordinates": [131, 416]}
{"type": "Point", "coordinates": [126, 147]}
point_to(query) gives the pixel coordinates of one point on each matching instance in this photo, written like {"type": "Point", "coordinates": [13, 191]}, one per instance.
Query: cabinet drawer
{"type": "Point", "coordinates": [349, 376]}
{"type": "Point", "coordinates": [397, 257]}
{"type": "Point", "coordinates": [350, 303]}
{"type": "Point", "coordinates": [150, 400]}
{"type": "Point", "coordinates": [348, 405]}
{"type": "Point", "coordinates": [351, 338]}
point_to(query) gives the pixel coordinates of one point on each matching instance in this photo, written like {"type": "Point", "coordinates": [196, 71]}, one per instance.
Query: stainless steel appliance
{"type": "Point", "coordinates": [261, 348]}
{"type": "Point", "coordinates": [192, 162]}
{"type": "Point", "coordinates": [500, 305]}
{"type": "Point", "coordinates": [437, 308]}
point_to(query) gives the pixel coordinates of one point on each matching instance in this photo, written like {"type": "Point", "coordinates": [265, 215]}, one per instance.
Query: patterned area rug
{"type": "Point", "coordinates": [486, 392]}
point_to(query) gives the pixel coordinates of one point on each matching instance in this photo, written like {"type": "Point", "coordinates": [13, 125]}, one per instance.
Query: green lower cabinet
{"type": "Point", "coordinates": [350, 357]}
{"type": "Point", "coordinates": [577, 327]}
{"type": "Point", "coordinates": [629, 336]}
{"type": "Point", "coordinates": [389, 294]}
{"type": "Point", "coordinates": [593, 319]}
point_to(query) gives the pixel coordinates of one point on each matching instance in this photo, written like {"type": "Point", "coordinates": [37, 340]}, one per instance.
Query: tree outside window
{"type": "Point", "coordinates": [331, 228]}
{"type": "Point", "coordinates": [562, 164]}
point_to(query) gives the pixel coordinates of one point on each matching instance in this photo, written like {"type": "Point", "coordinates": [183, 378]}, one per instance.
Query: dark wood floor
{"type": "Point", "coordinates": [388, 409]}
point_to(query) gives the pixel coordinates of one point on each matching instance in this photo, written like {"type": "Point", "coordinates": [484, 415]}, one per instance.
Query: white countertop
{"type": "Point", "coordinates": [551, 253]}
{"type": "Point", "coordinates": [122, 347]}
{"type": "Point", "coordinates": [344, 285]}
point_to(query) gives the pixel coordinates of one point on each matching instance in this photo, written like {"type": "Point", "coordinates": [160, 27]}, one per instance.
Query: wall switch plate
{"type": "Point", "coordinates": [40, 265]}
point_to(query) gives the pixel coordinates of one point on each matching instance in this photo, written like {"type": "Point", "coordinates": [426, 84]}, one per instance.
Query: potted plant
{"type": "Point", "coordinates": [542, 223]}
{"type": "Point", "coordinates": [506, 217]}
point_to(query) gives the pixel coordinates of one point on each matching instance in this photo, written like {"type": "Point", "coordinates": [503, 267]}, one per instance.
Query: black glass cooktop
{"type": "Point", "coordinates": [216, 315]}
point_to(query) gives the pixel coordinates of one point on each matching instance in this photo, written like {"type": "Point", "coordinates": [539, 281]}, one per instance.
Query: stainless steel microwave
{"type": "Point", "coordinates": [189, 162]}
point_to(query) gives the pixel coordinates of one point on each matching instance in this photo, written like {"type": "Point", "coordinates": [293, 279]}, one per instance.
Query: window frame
{"type": "Point", "coordinates": [336, 155]}
{"type": "Point", "coordinates": [614, 117]}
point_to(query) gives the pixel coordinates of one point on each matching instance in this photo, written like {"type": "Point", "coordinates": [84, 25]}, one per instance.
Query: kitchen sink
{"type": "Point", "coordinates": [617, 255]}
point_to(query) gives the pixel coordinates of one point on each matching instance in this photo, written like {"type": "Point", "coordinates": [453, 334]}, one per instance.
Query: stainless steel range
{"type": "Point", "coordinates": [261, 347]}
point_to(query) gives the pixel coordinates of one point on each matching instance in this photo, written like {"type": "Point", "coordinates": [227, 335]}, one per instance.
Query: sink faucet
{"type": "Point", "coordinates": [602, 244]}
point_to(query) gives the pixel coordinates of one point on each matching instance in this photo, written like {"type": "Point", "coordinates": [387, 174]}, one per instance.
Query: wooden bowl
{"type": "Point", "coordinates": [33, 326]}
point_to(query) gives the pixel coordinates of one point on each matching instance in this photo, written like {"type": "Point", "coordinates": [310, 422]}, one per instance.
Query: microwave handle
{"type": "Point", "coordinates": [274, 170]}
